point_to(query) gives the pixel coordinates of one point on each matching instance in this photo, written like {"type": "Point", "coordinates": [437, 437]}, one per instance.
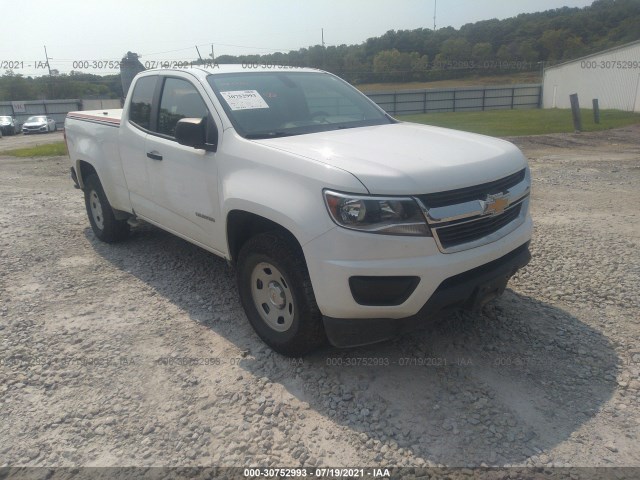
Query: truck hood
{"type": "Point", "coordinates": [408, 158]}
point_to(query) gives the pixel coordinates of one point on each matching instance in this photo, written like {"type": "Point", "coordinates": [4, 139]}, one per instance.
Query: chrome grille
{"type": "Point", "coordinates": [476, 192]}
{"type": "Point", "coordinates": [466, 218]}
{"type": "Point", "coordinates": [460, 233]}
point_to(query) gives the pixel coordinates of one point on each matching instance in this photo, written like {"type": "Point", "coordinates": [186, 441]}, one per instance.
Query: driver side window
{"type": "Point", "coordinates": [180, 99]}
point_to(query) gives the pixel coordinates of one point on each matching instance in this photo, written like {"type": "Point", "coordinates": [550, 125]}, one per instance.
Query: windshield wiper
{"type": "Point", "coordinates": [258, 136]}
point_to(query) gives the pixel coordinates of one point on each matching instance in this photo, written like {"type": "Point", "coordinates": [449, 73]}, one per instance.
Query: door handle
{"type": "Point", "coordinates": [154, 155]}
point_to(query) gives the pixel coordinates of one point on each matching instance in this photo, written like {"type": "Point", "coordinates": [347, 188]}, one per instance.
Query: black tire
{"type": "Point", "coordinates": [103, 222]}
{"type": "Point", "coordinates": [301, 330]}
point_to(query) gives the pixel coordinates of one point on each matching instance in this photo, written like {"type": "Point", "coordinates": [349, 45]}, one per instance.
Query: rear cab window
{"type": "Point", "coordinates": [141, 102]}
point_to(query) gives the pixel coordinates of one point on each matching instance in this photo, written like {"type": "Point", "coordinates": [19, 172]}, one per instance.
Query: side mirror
{"type": "Point", "coordinates": [192, 133]}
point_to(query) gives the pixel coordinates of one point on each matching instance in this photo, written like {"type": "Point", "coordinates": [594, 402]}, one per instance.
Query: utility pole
{"type": "Point", "coordinates": [435, 10]}
{"type": "Point", "coordinates": [46, 56]}
{"type": "Point", "coordinates": [199, 56]}
{"type": "Point", "coordinates": [324, 51]}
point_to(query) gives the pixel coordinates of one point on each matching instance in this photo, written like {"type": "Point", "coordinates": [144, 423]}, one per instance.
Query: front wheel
{"type": "Point", "coordinates": [277, 296]}
{"type": "Point", "coordinates": [103, 221]}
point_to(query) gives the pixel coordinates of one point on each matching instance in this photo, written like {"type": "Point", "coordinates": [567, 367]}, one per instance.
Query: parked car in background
{"type": "Point", "coordinates": [39, 124]}
{"type": "Point", "coordinates": [8, 125]}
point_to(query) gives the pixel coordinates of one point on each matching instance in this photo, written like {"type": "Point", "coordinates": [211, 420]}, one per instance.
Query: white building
{"type": "Point", "coordinates": [611, 76]}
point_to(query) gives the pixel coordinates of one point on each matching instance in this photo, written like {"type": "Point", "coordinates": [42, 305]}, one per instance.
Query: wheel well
{"type": "Point", "coordinates": [86, 169]}
{"type": "Point", "coordinates": [241, 226]}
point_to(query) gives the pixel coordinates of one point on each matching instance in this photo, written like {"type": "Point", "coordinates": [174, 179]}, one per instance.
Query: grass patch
{"type": "Point", "coordinates": [47, 150]}
{"type": "Point", "coordinates": [504, 123]}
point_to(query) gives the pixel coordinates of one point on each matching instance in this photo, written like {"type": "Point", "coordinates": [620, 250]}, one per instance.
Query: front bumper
{"type": "Point", "coordinates": [466, 291]}
{"type": "Point", "coordinates": [42, 129]}
{"type": "Point", "coordinates": [339, 255]}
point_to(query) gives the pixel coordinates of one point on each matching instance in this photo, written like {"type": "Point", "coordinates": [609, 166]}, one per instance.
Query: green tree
{"type": "Point", "coordinates": [553, 41]}
{"type": "Point", "coordinates": [527, 52]}
{"type": "Point", "coordinates": [482, 52]}
{"type": "Point", "coordinates": [391, 61]}
{"type": "Point", "coordinates": [456, 49]}
{"type": "Point", "coordinates": [573, 47]}
{"type": "Point", "coordinates": [504, 54]}
{"type": "Point", "coordinates": [17, 87]}
{"type": "Point", "coordinates": [394, 65]}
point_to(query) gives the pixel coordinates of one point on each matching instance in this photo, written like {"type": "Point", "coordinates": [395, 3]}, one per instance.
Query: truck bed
{"type": "Point", "coordinates": [92, 137]}
{"type": "Point", "coordinates": [106, 117]}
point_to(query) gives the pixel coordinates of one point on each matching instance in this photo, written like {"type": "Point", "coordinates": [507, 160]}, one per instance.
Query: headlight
{"type": "Point", "coordinates": [386, 216]}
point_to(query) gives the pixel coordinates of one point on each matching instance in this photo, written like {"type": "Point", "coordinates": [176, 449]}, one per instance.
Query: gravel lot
{"type": "Point", "coordinates": [9, 142]}
{"type": "Point", "coordinates": [139, 354]}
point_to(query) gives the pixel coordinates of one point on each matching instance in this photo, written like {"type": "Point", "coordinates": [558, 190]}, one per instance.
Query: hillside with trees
{"type": "Point", "coordinates": [489, 47]}
{"type": "Point", "coordinates": [14, 86]}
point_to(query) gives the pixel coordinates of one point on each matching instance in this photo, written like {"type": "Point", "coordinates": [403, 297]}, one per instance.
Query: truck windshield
{"type": "Point", "coordinates": [277, 104]}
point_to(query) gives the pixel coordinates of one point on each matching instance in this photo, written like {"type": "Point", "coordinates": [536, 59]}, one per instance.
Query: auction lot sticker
{"type": "Point", "coordinates": [244, 99]}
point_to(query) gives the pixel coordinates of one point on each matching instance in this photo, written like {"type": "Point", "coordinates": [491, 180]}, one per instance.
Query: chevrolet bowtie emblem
{"type": "Point", "coordinates": [495, 204]}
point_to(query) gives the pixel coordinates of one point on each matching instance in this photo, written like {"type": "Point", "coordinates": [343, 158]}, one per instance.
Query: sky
{"type": "Point", "coordinates": [90, 32]}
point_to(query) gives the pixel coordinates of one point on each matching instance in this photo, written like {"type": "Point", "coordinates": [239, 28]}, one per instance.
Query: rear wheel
{"type": "Point", "coordinates": [103, 221]}
{"type": "Point", "coordinates": [277, 296]}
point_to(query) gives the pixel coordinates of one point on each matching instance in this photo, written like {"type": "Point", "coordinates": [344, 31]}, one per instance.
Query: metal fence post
{"type": "Point", "coordinates": [540, 96]}
{"type": "Point", "coordinates": [484, 96]}
{"type": "Point", "coordinates": [513, 96]}
{"type": "Point", "coordinates": [454, 100]}
{"type": "Point", "coordinates": [575, 111]}
{"type": "Point", "coordinates": [596, 110]}
{"type": "Point", "coordinates": [424, 103]}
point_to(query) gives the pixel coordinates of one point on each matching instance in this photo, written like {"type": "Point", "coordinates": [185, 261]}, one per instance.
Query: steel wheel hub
{"type": "Point", "coordinates": [276, 295]}
{"type": "Point", "coordinates": [272, 297]}
{"type": "Point", "coordinates": [96, 209]}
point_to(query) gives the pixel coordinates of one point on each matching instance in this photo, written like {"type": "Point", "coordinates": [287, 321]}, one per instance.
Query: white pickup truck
{"type": "Point", "coordinates": [342, 222]}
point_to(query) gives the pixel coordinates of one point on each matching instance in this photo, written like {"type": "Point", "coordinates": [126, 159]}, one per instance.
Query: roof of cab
{"type": "Point", "coordinates": [204, 71]}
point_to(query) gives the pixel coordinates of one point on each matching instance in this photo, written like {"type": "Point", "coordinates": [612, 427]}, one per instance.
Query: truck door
{"type": "Point", "coordinates": [134, 127]}
{"type": "Point", "coordinates": [184, 180]}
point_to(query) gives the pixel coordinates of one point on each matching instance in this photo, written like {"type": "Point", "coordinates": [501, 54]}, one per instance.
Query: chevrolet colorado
{"type": "Point", "coordinates": [342, 222]}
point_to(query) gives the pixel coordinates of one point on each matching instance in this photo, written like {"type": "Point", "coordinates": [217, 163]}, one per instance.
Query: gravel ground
{"type": "Point", "coordinates": [9, 142]}
{"type": "Point", "coordinates": [138, 354]}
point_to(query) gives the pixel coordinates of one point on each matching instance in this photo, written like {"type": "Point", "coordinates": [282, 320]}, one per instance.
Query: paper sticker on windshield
{"type": "Point", "coordinates": [244, 100]}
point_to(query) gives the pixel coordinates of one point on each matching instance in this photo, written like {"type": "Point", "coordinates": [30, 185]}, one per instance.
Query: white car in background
{"type": "Point", "coordinates": [39, 124]}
